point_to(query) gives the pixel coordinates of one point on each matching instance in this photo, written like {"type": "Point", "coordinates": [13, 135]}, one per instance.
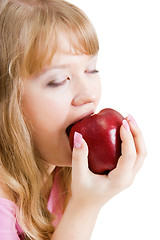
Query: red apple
{"type": "Point", "coordinates": [102, 133]}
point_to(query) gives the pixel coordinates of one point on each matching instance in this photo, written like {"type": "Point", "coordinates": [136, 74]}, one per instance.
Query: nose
{"type": "Point", "coordinates": [84, 92]}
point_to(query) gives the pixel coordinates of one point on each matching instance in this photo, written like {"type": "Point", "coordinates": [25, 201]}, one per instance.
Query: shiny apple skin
{"type": "Point", "coordinates": [102, 133]}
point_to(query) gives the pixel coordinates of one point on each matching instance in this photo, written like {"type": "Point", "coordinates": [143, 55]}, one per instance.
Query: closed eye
{"type": "Point", "coordinates": [92, 71]}
{"type": "Point", "coordinates": [57, 84]}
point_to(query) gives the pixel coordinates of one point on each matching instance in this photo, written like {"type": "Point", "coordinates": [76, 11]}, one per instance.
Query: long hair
{"type": "Point", "coordinates": [29, 38]}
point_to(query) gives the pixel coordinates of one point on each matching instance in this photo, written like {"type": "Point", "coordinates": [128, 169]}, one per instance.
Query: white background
{"type": "Point", "coordinates": [129, 64]}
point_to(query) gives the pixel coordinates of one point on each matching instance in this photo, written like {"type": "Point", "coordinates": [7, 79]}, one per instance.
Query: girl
{"type": "Point", "coordinates": [49, 80]}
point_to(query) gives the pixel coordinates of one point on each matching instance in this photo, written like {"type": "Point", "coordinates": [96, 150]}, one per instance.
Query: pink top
{"type": "Point", "coordinates": [9, 227]}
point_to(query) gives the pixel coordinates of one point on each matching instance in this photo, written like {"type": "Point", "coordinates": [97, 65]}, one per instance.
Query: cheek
{"type": "Point", "coordinates": [44, 112]}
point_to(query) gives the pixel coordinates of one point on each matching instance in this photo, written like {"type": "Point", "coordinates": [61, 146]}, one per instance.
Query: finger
{"type": "Point", "coordinates": [122, 176]}
{"type": "Point", "coordinates": [128, 149]}
{"type": "Point", "coordinates": [79, 155]}
{"type": "Point", "coordinates": [137, 136]}
{"type": "Point", "coordinates": [139, 143]}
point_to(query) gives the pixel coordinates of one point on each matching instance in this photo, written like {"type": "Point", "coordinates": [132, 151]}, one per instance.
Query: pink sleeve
{"type": "Point", "coordinates": [8, 220]}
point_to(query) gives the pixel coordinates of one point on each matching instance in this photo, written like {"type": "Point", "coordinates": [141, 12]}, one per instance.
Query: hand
{"type": "Point", "coordinates": [90, 188]}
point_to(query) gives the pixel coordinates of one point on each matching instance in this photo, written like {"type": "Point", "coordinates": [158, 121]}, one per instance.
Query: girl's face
{"type": "Point", "coordinates": [61, 94]}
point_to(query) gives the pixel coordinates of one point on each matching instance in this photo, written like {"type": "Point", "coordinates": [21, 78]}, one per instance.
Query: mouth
{"type": "Point", "coordinates": [68, 129]}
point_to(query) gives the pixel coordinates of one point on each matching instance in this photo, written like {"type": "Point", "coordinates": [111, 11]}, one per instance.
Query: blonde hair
{"type": "Point", "coordinates": [29, 38]}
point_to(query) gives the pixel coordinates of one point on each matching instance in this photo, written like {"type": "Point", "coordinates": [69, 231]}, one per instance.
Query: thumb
{"type": "Point", "coordinates": [79, 154]}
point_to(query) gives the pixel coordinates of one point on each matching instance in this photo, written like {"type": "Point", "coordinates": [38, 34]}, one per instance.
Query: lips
{"type": "Point", "coordinates": [68, 129]}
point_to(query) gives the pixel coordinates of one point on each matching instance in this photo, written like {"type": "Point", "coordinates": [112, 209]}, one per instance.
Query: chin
{"type": "Point", "coordinates": [68, 163]}
{"type": "Point", "coordinates": [59, 155]}
{"type": "Point", "coordinates": [64, 159]}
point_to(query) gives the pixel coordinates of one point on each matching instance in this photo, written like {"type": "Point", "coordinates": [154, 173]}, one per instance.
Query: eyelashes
{"type": "Point", "coordinates": [55, 84]}
{"type": "Point", "coordinates": [92, 72]}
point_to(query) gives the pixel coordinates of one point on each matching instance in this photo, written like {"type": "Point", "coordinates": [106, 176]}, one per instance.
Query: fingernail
{"type": "Point", "coordinates": [131, 118]}
{"type": "Point", "coordinates": [126, 125]}
{"type": "Point", "coordinates": [77, 140]}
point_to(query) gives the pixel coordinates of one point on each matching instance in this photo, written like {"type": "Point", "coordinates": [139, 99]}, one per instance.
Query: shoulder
{"type": "Point", "coordinates": [9, 228]}
{"type": "Point", "coordinates": [7, 208]}
{"type": "Point", "coordinates": [8, 221]}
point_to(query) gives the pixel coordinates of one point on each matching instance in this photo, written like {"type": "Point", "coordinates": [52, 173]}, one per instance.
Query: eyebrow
{"type": "Point", "coordinates": [63, 66]}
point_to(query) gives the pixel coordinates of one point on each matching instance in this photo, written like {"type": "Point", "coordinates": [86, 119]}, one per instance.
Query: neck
{"type": "Point", "coordinates": [48, 181]}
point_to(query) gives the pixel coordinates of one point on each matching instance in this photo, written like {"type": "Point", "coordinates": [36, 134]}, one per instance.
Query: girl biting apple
{"type": "Point", "coordinates": [48, 80]}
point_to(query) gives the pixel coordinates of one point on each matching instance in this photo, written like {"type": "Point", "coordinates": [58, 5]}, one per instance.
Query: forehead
{"type": "Point", "coordinates": [68, 53]}
{"type": "Point", "coordinates": [56, 41]}
{"type": "Point", "coordinates": [66, 45]}
{"type": "Point", "coordinates": [69, 43]}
